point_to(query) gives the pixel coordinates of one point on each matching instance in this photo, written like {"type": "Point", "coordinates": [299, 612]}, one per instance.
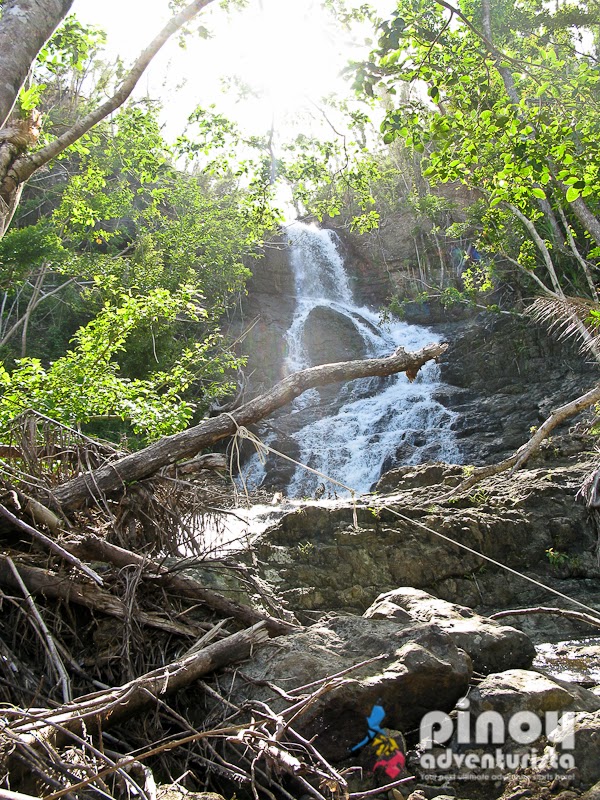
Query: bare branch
{"type": "Point", "coordinates": [560, 612]}
{"type": "Point", "coordinates": [521, 456]}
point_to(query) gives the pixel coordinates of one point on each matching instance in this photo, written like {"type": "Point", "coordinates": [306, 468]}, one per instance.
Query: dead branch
{"type": "Point", "coordinates": [380, 789]}
{"type": "Point", "coordinates": [524, 453]}
{"type": "Point", "coordinates": [6, 795]}
{"type": "Point", "coordinates": [207, 461]}
{"type": "Point", "coordinates": [40, 514]}
{"type": "Point", "coordinates": [47, 542]}
{"type": "Point", "coordinates": [47, 636]}
{"type": "Point", "coordinates": [98, 711]}
{"type": "Point", "coordinates": [136, 466]}
{"type": "Point", "coordinates": [96, 549]}
{"type": "Point", "coordinates": [49, 584]}
{"type": "Point", "coordinates": [578, 616]}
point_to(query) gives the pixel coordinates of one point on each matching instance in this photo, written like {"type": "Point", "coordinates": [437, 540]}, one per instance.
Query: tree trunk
{"type": "Point", "coordinates": [25, 27]}
{"type": "Point", "coordinates": [48, 584]}
{"type": "Point", "coordinates": [96, 549]}
{"type": "Point", "coordinates": [146, 462]}
{"type": "Point", "coordinates": [589, 221]}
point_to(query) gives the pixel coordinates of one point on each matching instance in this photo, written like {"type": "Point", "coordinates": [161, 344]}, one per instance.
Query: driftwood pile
{"type": "Point", "coordinates": [106, 637]}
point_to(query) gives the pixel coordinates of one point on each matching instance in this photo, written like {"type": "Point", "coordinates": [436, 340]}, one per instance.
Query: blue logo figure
{"type": "Point", "coordinates": [374, 721]}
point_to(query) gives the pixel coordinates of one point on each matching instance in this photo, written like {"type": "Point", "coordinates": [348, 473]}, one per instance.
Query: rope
{"type": "Point", "coordinates": [492, 560]}
{"type": "Point", "coordinates": [262, 450]}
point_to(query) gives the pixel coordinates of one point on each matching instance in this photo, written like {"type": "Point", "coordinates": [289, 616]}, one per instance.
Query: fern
{"type": "Point", "coordinates": [570, 318]}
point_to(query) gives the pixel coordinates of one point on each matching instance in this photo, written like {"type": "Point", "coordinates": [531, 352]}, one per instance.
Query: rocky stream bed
{"type": "Point", "coordinates": [397, 626]}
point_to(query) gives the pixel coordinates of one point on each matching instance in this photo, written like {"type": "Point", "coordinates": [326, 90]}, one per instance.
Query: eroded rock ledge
{"type": "Point", "coordinates": [531, 521]}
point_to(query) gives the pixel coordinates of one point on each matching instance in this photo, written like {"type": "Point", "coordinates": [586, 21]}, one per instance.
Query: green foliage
{"type": "Point", "coordinates": [155, 258]}
{"type": "Point", "coordinates": [556, 557]}
{"type": "Point", "coordinates": [71, 46]}
{"type": "Point", "coordinates": [516, 120]}
{"type": "Point", "coordinates": [480, 497]}
{"type": "Point", "coordinates": [23, 249]}
{"type": "Point", "coordinates": [86, 384]}
{"type": "Point", "coordinates": [67, 52]}
{"type": "Point", "coordinates": [328, 177]}
{"type": "Point", "coordinates": [451, 296]}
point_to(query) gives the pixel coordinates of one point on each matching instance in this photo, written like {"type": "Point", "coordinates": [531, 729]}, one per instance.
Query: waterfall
{"type": "Point", "coordinates": [354, 431]}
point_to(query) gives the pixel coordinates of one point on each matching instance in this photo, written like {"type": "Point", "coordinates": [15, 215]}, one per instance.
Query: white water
{"type": "Point", "coordinates": [377, 415]}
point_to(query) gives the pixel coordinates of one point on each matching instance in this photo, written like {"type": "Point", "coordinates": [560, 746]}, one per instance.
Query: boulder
{"type": "Point", "coordinates": [581, 738]}
{"type": "Point", "coordinates": [407, 671]}
{"type": "Point", "coordinates": [522, 690]}
{"type": "Point", "coordinates": [503, 725]}
{"type": "Point", "coordinates": [492, 647]}
{"type": "Point", "coordinates": [330, 336]}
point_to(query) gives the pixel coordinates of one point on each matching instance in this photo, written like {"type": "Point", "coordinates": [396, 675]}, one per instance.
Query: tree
{"type": "Point", "coordinates": [153, 257]}
{"type": "Point", "coordinates": [511, 112]}
{"type": "Point", "coordinates": [25, 27]}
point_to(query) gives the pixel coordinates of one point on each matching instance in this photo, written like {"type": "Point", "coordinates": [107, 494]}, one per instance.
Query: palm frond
{"type": "Point", "coordinates": [570, 318]}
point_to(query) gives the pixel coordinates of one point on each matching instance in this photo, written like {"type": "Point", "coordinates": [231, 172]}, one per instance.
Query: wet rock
{"type": "Point", "coordinates": [330, 336]}
{"type": "Point", "coordinates": [422, 670]}
{"type": "Point", "coordinates": [537, 788]}
{"type": "Point", "coordinates": [410, 477]}
{"type": "Point", "coordinates": [322, 561]}
{"type": "Point", "coordinates": [571, 661]}
{"type": "Point", "coordinates": [492, 647]}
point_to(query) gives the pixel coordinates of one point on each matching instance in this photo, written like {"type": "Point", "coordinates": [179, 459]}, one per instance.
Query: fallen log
{"type": "Point", "coordinates": [94, 484]}
{"type": "Point", "coordinates": [94, 548]}
{"type": "Point", "coordinates": [49, 584]}
{"type": "Point", "coordinates": [208, 461]}
{"type": "Point", "coordinates": [96, 712]}
{"type": "Point", "coordinates": [46, 541]}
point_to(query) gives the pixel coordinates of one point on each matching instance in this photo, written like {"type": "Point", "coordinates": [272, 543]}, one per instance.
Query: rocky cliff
{"type": "Point", "coordinates": [340, 555]}
{"type": "Point", "coordinates": [502, 372]}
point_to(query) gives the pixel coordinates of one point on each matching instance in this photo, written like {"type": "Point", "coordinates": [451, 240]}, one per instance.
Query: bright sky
{"type": "Point", "coordinates": [289, 51]}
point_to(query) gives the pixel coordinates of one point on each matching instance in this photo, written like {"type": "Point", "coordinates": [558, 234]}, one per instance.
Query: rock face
{"type": "Point", "coordinates": [492, 647]}
{"type": "Point", "coordinates": [411, 669]}
{"type": "Point", "coordinates": [266, 315]}
{"type": "Point", "coordinates": [505, 375]}
{"type": "Point", "coordinates": [330, 337]}
{"type": "Point", "coordinates": [322, 561]}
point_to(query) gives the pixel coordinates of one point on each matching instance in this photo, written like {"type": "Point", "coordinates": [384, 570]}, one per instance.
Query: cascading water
{"type": "Point", "coordinates": [374, 422]}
